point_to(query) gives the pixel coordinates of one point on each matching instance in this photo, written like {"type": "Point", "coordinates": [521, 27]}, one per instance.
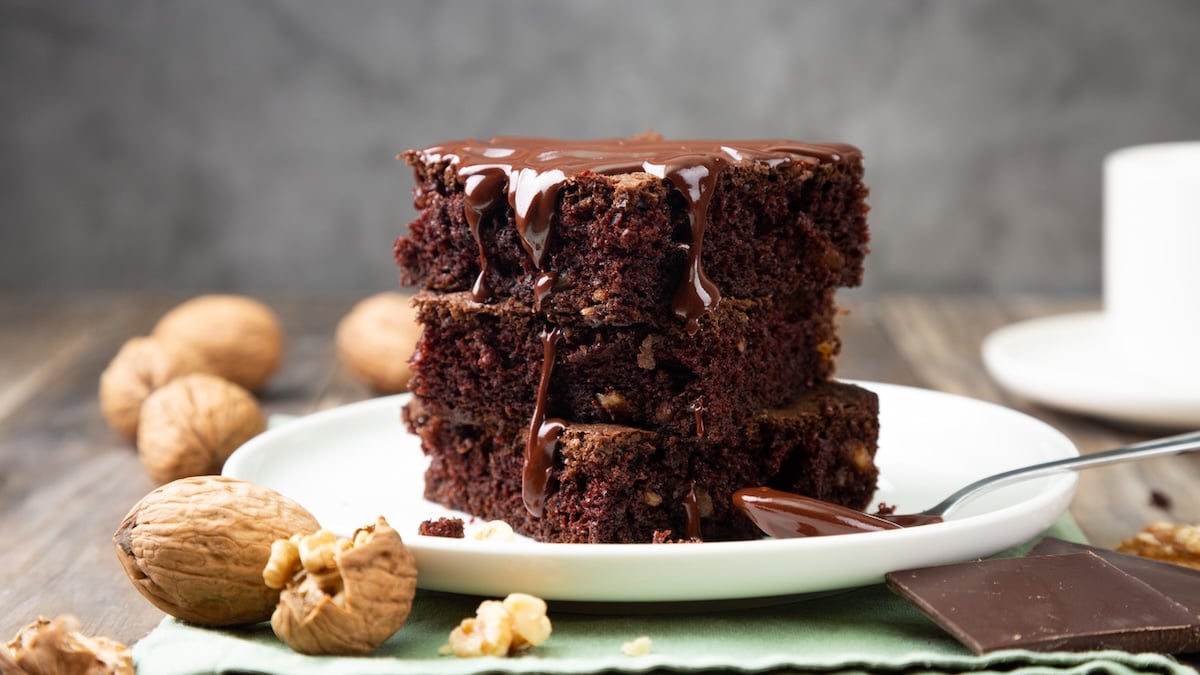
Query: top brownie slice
{"type": "Point", "coordinates": [637, 230]}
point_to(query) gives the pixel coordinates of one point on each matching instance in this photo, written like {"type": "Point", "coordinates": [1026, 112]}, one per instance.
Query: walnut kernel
{"type": "Point", "coordinates": [492, 530]}
{"type": "Point", "coordinates": [639, 646]}
{"type": "Point", "coordinates": [142, 365]}
{"type": "Point", "coordinates": [240, 337]}
{"type": "Point", "coordinates": [341, 596]}
{"type": "Point", "coordinates": [613, 402]}
{"type": "Point", "coordinates": [1178, 544]}
{"type": "Point", "coordinates": [191, 425]}
{"type": "Point", "coordinates": [47, 647]}
{"type": "Point", "coordinates": [861, 456]}
{"type": "Point", "coordinates": [376, 339]}
{"type": "Point", "coordinates": [501, 628]}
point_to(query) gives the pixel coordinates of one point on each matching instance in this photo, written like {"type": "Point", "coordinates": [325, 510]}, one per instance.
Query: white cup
{"type": "Point", "coordinates": [1152, 257]}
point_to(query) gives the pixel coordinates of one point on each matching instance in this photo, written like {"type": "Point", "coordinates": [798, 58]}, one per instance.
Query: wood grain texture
{"type": "Point", "coordinates": [66, 480]}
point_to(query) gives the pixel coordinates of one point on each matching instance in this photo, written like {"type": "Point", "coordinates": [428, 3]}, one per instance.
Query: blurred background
{"type": "Point", "coordinates": [250, 145]}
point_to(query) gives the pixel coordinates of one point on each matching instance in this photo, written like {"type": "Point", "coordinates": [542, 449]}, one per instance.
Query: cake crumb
{"type": "Point", "coordinates": [668, 537]}
{"type": "Point", "coordinates": [450, 528]}
{"type": "Point", "coordinates": [639, 646]}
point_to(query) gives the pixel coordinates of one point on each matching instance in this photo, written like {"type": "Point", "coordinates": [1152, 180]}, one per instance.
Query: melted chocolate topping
{"type": "Point", "coordinates": [784, 515]}
{"type": "Point", "coordinates": [542, 442]}
{"type": "Point", "coordinates": [698, 408]}
{"type": "Point", "coordinates": [526, 175]}
{"type": "Point", "coordinates": [542, 288]}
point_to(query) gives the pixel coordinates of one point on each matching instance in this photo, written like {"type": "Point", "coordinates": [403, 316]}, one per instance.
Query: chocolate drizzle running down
{"type": "Point", "coordinates": [526, 175]}
{"type": "Point", "coordinates": [542, 288]}
{"type": "Point", "coordinates": [698, 408]}
{"type": "Point", "coordinates": [543, 435]}
{"type": "Point", "coordinates": [482, 191]}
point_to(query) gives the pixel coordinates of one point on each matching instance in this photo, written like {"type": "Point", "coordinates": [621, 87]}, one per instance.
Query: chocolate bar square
{"type": "Point", "coordinates": [1071, 602]}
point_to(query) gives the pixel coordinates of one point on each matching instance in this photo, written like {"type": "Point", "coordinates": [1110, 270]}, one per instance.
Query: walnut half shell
{"type": "Point", "coordinates": [342, 597]}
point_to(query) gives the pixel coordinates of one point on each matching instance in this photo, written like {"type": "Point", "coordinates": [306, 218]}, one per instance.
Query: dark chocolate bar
{"type": "Point", "coordinates": [1181, 584]}
{"type": "Point", "coordinates": [1071, 602]}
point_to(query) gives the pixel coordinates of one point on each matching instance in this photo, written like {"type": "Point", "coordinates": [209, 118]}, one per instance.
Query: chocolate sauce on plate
{"type": "Point", "coordinates": [784, 515]}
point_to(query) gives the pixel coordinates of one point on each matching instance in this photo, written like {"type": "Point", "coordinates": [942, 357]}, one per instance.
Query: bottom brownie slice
{"type": "Point", "coordinates": [617, 484]}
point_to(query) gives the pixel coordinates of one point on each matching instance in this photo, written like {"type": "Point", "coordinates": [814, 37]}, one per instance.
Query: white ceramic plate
{"type": "Point", "coordinates": [1066, 362]}
{"type": "Point", "coordinates": [350, 464]}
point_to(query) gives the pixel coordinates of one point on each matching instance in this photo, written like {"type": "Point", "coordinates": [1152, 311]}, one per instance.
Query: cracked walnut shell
{"type": "Point", "coordinates": [341, 596]}
{"type": "Point", "coordinates": [191, 425]}
{"type": "Point", "coordinates": [142, 365]}
{"type": "Point", "coordinates": [240, 337]}
{"type": "Point", "coordinates": [376, 339]}
{"type": "Point", "coordinates": [57, 647]}
{"type": "Point", "coordinates": [196, 547]}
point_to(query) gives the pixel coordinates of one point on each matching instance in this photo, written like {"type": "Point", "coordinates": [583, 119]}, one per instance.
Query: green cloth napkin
{"type": "Point", "coordinates": [867, 629]}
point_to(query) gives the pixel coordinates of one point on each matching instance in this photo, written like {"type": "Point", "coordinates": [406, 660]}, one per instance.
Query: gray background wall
{"type": "Point", "coordinates": [250, 145]}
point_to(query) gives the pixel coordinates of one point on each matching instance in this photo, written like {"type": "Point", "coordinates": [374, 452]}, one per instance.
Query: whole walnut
{"type": "Point", "coordinates": [376, 339]}
{"type": "Point", "coordinates": [341, 596]}
{"type": "Point", "coordinates": [196, 547]}
{"type": "Point", "coordinates": [192, 424]}
{"type": "Point", "coordinates": [142, 365]}
{"type": "Point", "coordinates": [240, 337]}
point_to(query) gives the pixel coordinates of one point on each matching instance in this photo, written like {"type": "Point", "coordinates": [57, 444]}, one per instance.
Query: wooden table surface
{"type": "Point", "coordinates": [66, 480]}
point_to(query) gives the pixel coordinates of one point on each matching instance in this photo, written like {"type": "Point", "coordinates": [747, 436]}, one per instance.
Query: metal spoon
{"type": "Point", "coordinates": [785, 515]}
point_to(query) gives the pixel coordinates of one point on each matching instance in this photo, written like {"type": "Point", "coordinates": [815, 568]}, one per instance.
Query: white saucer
{"type": "Point", "coordinates": [1068, 362]}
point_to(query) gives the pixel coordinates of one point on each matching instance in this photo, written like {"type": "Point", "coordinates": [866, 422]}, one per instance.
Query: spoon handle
{"type": "Point", "coordinates": [1171, 445]}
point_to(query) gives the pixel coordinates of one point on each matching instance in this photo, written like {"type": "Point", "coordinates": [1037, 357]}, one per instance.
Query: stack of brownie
{"type": "Point", "coordinates": [618, 335]}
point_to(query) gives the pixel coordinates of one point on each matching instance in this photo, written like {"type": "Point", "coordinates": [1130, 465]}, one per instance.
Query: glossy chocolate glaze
{"type": "Point", "coordinates": [542, 288]}
{"type": "Point", "coordinates": [698, 409]}
{"type": "Point", "coordinates": [543, 436]}
{"type": "Point", "coordinates": [527, 174]}
{"type": "Point", "coordinates": [784, 515]}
